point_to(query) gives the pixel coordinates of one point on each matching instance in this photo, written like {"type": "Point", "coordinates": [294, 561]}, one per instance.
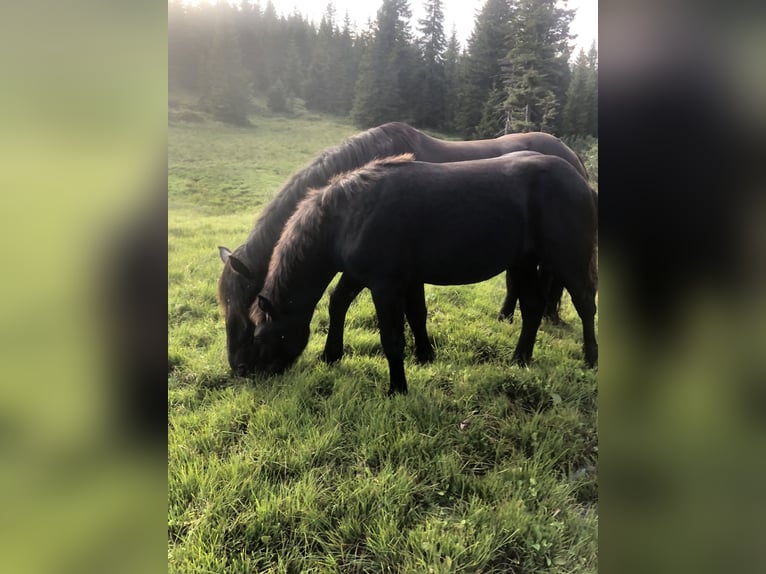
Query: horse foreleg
{"type": "Point", "coordinates": [416, 312]}
{"type": "Point", "coordinates": [511, 296]}
{"type": "Point", "coordinates": [389, 305]}
{"type": "Point", "coordinates": [340, 300]}
{"type": "Point", "coordinates": [531, 303]}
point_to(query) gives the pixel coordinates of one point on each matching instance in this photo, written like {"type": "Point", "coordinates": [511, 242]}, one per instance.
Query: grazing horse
{"type": "Point", "coordinates": [396, 224]}
{"type": "Point", "coordinates": [245, 269]}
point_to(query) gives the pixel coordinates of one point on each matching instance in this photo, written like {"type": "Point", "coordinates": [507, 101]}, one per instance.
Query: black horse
{"type": "Point", "coordinates": [396, 224]}
{"type": "Point", "coordinates": [245, 269]}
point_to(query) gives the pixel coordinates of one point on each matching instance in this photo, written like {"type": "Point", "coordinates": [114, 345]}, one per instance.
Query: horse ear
{"type": "Point", "coordinates": [239, 267]}
{"type": "Point", "coordinates": [224, 253]}
{"type": "Point", "coordinates": [267, 307]}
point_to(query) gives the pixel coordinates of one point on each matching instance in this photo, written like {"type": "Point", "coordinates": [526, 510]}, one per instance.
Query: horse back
{"type": "Point", "coordinates": [449, 223]}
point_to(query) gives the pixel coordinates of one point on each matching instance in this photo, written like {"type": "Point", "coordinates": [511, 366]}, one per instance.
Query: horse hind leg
{"type": "Point", "coordinates": [583, 293]}
{"type": "Point", "coordinates": [509, 303]}
{"type": "Point", "coordinates": [340, 300]}
{"type": "Point", "coordinates": [553, 290]}
{"type": "Point", "coordinates": [416, 312]}
{"type": "Point", "coordinates": [531, 302]}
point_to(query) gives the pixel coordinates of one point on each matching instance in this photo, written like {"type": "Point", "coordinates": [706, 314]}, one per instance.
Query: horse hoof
{"type": "Point", "coordinates": [503, 317]}
{"type": "Point", "coordinates": [520, 361]}
{"type": "Point", "coordinates": [397, 391]}
{"type": "Point", "coordinates": [591, 358]}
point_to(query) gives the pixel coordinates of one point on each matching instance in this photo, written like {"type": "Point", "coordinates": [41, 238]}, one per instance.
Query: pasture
{"type": "Point", "coordinates": [483, 467]}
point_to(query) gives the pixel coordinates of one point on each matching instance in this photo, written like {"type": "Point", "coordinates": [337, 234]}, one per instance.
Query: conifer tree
{"type": "Point", "coordinates": [576, 108]}
{"type": "Point", "coordinates": [319, 83]}
{"type": "Point", "coordinates": [480, 68]}
{"type": "Point", "coordinates": [226, 91]}
{"type": "Point", "coordinates": [430, 107]}
{"type": "Point", "coordinates": [184, 47]}
{"type": "Point", "coordinates": [250, 31]}
{"type": "Point", "coordinates": [382, 85]}
{"type": "Point", "coordinates": [592, 87]}
{"type": "Point", "coordinates": [268, 55]}
{"type": "Point", "coordinates": [348, 64]}
{"type": "Point", "coordinates": [536, 68]}
{"type": "Point", "coordinates": [293, 74]}
{"type": "Point", "coordinates": [451, 80]}
{"type": "Point", "coordinates": [493, 122]}
{"type": "Point", "coordinates": [580, 117]}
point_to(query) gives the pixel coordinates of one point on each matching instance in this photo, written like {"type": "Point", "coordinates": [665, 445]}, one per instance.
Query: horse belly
{"type": "Point", "coordinates": [459, 257]}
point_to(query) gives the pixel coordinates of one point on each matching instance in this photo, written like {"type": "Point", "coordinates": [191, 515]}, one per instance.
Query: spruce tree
{"type": "Point", "coordinates": [430, 110]}
{"type": "Point", "coordinates": [580, 111]}
{"type": "Point", "coordinates": [347, 65]}
{"type": "Point", "coordinates": [451, 80]}
{"type": "Point", "coordinates": [576, 122]}
{"type": "Point", "coordinates": [536, 68]}
{"type": "Point", "coordinates": [226, 90]}
{"type": "Point", "coordinates": [592, 91]}
{"type": "Point", "coordinates": [184, 47]}
{"type": "Point", "coordinates": [319, 86]}
{"type": "Point", "coordinates": [480, 68]}
{"type": "Point", "coordinates": [493, 122]}
{"type": "Point", "coordinates": [250, 30]}
{"type": "Point", "coordinates": [382, 85]}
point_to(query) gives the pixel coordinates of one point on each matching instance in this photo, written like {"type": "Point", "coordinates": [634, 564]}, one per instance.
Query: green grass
{"type": "Point", "coordinates": [483, 467]}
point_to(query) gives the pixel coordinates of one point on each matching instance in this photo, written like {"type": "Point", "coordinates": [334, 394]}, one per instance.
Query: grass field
{"type": "Point", "coordinates": [483, 467]}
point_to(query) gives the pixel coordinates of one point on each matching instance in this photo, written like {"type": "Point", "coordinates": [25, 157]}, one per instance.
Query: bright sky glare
{"type": "Point", "coordinates": [460, 13]}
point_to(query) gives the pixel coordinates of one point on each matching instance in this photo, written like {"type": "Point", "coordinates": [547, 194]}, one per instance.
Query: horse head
{"type": "Point", "coordinates": [236, 290]}
{"type": "Point", "coordinates": [279, 339]}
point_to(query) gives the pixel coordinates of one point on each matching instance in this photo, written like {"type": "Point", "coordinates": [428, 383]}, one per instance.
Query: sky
{"type": "Point", "coordinates": [460, 12]}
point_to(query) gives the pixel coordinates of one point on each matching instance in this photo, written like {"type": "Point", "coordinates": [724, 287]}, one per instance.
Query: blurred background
{"type": "Point", "coordinates": [83, 113]}
{"type": "Point", "coordinates": [683, 330]}
{"type": "Point", "coordinates": [82, 306]}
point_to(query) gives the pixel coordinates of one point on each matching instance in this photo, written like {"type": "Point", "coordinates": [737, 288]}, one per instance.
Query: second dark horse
{"type": "Point", "coordinates": [396, 224]}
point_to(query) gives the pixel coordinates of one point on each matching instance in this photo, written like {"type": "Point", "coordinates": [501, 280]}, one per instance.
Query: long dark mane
{"type": "Point", "coordinates": [304, 229]}
{"type": "Point", "coordinates": [379, 142]}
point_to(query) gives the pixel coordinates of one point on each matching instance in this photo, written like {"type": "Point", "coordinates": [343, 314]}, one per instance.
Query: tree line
{"type": "Point", "coordinates": [513, 75]}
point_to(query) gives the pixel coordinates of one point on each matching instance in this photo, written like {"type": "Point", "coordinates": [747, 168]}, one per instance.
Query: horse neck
{"type": "Point", "coordinates": [265, 235]}
{"type": "Point", "coordinates": [349, 156]}
{"type": "Point", "coordinates": [301, 269]}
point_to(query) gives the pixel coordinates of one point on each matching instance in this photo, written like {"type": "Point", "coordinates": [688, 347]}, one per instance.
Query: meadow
{"type": "Point", "coordinates": [483, 467]}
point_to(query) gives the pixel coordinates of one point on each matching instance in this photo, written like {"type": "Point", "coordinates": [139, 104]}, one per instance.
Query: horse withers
{"type": "Point", "coordinates": [396, 224]}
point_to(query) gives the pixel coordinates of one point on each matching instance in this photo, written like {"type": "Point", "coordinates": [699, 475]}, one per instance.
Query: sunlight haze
{"type": "Point", "coordinates": [460, 13]}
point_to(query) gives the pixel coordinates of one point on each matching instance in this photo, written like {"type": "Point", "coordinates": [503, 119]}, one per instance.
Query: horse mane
{"type": "Point", "coordinates": [304, 229]}
{"type": "Point", "coordinates": [344, 186]}
{"type": "Point", "coordinates": [378, 142]}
